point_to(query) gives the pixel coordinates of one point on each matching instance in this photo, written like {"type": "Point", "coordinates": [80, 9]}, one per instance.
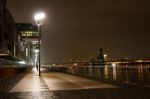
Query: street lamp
{"type": "Point", "coordinates": [39, 19]}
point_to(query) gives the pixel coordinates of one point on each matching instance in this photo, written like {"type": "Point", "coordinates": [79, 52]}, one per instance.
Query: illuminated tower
{"type": "Point", "coordinates": [100, 57]}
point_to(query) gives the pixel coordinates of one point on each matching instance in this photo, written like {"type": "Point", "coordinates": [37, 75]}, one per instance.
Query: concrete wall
{"type": "Point", "coordinates": [9, 71]}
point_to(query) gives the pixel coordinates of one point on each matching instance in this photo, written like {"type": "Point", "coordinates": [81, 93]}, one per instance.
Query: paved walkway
{"type": "Point", "coordinates": [55, 81]}
{"type": "Point", "coordinates": [52, 85]}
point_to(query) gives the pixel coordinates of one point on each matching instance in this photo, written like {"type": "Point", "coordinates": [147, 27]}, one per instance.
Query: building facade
{"type": "Point", "coordinates": [7, 31]}
{"type": "Point", "coordinates": [28, 38]}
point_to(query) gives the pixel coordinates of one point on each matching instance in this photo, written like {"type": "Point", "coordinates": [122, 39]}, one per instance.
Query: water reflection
{"type": "Point", "coordinates": [114, 71]}
{"type": "Point", "coordinates": [127, 73]}
{"type": "Point", "coordinates": [124, 73]}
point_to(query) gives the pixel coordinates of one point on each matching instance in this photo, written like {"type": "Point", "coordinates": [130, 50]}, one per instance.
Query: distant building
{"type": "Point", "coordinates": [100, 56]}
{"type": "Point", "coordinates": [28, 36]}
{"type": "Point", "coordinates": [100, 59]}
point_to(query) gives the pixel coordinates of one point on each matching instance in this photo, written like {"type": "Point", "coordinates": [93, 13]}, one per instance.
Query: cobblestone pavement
{"type": "Point", "coordinates": [122, 92]}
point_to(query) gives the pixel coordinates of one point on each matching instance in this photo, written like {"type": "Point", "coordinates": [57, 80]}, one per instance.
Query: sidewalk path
{"type": "Point", "coordinates": [52, 85]}
{"type": "Point", "coordinates": [55, 81]}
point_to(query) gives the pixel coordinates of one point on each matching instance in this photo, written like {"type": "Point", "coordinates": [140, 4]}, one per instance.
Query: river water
{"type": "Point", "coordinates": [128, 73]}
{"type": "Point", "coordinates": [124, 73]}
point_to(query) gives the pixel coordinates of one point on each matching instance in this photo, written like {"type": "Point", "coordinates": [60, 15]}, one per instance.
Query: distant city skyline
{"type": "Point", "coordinates": [75, 28]}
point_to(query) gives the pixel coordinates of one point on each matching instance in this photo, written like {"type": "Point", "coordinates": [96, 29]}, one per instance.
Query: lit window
{"type": "Point", "coordinates": [23, 35]}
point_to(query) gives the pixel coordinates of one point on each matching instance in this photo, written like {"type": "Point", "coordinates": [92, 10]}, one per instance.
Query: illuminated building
{"type": "Point", "coordinates": [28, 34]}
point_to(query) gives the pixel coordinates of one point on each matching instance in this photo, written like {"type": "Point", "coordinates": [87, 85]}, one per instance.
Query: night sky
{"type": "Point", "coordinates": [78, 28]}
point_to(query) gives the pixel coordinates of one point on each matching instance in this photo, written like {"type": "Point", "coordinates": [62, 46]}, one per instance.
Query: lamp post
{"type": "Point", "coordinates": [39, 19]}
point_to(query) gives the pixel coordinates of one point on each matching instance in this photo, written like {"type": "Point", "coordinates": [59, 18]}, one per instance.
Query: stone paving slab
{"type": "Point", "coordinates": [60, 81]}
{"type": "Point", "coordinates": [121, 92]}
{"type": "Point", "coordinates": [56, 81]}
{"type": "Point", "coordinates": [8, 83]}
{"type": "Point", "coordinates": [30, 83]}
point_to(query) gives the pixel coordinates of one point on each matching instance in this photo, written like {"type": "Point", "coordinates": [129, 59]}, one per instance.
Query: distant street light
{"type": "Point", "coordinates": [105, 56]}
{"type": "Point", "coordinates": [39, 19]}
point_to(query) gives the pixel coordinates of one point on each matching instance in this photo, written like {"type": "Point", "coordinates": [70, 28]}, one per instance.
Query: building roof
{"type": "Point", "coordinates": [26, 27]}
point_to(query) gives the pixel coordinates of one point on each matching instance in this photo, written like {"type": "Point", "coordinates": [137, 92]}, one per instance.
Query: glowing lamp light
{"type": "Point", "coordinates": [22, 62]}
{"type": "Point", "coordinates": [36, 50]}
{"type": "Point", "coordinates": [39, 18]}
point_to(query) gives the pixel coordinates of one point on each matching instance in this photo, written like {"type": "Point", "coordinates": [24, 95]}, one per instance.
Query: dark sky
{"type": "Point", "coordinates": [78, 28]}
